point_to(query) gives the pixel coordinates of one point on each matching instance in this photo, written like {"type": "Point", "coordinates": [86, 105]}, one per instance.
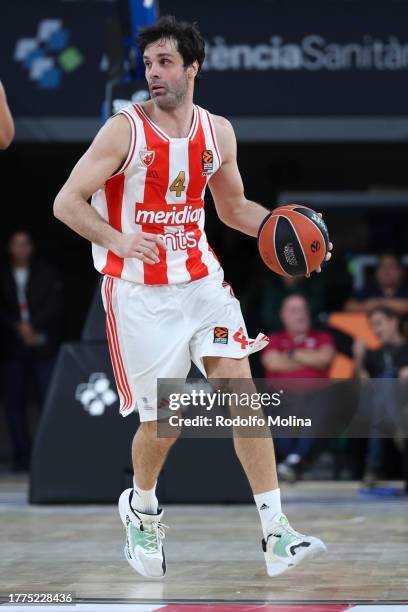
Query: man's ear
{"type": "Point", "coordinates": [193, 69]}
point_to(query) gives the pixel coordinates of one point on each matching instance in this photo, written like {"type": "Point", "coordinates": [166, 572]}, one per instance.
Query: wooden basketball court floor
{"type": "Point", "coordinates": [213, 554]}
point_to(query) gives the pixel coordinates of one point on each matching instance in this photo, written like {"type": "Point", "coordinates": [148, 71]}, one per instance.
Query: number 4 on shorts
{"type": "Point", "coordinates": [241, 338]}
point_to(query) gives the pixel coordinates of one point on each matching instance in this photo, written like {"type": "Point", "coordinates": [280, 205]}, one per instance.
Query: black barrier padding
{"type": "Point", "coordinates": [95, 329]}
{"type": "Point", "coordinates": [79, 457]}
{"type": "Point", "coordinates": [204, 471]}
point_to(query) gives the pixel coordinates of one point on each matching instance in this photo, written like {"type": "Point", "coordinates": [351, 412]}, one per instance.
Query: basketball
{"type": "Point", "coordinates": [293, 240]}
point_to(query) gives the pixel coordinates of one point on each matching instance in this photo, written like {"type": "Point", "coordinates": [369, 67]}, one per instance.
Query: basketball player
{"type": "Point", "coordinates": [6, 121]}
{"type": "Point", "coordinates": [163, 287]}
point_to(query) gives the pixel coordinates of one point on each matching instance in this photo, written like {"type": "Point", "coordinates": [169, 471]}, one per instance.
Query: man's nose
{"type": "Point", "coordinates": [155, 72]}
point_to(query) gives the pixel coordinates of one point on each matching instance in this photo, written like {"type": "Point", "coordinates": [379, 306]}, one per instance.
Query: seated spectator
{"type": "Point", "coordinates": [390, 289]}
{"type": "Point", "coordinates": [388, 361]}
{"type": "Point", "coordinates": [280, 287]}
{"type": "Point", "coordinates": [297, 352]}
{"type": "Point", "coordinates": [30, 313]}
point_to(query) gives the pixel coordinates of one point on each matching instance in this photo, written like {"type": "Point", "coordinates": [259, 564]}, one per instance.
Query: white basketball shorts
{"type": "Point", "coordinates": [156, 331]}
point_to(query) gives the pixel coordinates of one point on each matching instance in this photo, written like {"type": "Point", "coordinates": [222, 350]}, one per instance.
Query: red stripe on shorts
{"type": "Point", "coordinates": [113, 342]}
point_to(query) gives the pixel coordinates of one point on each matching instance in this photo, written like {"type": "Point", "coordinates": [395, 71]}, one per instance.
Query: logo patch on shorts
{"type": "Point", "coordinates": [220, 335]}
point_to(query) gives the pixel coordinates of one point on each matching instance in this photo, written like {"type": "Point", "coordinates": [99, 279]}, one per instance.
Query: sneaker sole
{"type": "Point", "coordinates": [134, 563]}
{"type": "Point", "coordinates": [316, 548]}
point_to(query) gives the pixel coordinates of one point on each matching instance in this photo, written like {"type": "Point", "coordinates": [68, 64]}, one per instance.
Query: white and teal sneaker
{"type": "Point", "coordinates": [285, 548]}
{"type": "Point", "coordinates": [144, 536]}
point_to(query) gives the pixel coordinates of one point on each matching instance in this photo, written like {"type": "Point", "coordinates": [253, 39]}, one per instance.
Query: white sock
{"type": "Point", "coordinates": [268, 504]}
{"type": "Point", "coordinates": [145, 501]}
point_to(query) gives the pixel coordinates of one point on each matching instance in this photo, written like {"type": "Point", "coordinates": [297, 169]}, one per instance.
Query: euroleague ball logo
{"type": "Point", "coordinates": [315, 246]}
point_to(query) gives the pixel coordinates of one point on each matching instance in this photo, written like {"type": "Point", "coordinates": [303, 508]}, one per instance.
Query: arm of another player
{"type": "Point", "coordinates": [6, 121]}
{"type": "Point", "coordinates": [227, 188]}
{"type": "Point", "coordinates": [105, 155]}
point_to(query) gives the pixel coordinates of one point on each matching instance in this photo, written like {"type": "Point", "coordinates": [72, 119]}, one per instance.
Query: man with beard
{"type": "Point", "coordinates": [163, 289]}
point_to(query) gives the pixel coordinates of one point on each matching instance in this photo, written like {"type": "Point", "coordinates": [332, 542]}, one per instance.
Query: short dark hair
{"type": "Point", "coordinates": [386, 311]}
{"type": "Point", "coordinates": [190, 43]}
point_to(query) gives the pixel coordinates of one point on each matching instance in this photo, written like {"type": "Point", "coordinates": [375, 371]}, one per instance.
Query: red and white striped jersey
{"type": "Point", "coordinates": [160, 189]}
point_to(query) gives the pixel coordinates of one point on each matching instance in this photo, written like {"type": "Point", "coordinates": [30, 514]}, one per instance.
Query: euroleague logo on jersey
{"type": "Point", "coordinates": [146, 157]}
{"type": "Point", "coordinates": [207, 158]}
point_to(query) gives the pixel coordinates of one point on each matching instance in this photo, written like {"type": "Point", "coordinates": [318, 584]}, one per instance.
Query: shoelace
{"type": "Point", "coordinates": [279, 530]}
{"type": "Point", "coordinates": [154, 534]}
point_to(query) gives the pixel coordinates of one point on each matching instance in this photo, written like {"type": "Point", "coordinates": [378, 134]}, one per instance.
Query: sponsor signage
{"type": "Point", "coordinates": [310, 59]}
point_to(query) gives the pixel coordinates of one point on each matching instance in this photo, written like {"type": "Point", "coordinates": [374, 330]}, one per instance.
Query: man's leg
{"type": "Point", "coordinates": [283, 546]}
{"type": "Point", "coordinates": [147, 341]}
{"type": "Point", "coordinates": [256, 455]}
{"type": "Point", "coordinates": [138, 507]}
{"type": "Point", "coordinates": [149, 453]}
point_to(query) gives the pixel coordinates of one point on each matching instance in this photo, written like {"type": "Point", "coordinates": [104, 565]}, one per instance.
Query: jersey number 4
{"type": "Point", "coordinates": [240, 337]}
{"type": "Point", "coordinates": [178, 184]}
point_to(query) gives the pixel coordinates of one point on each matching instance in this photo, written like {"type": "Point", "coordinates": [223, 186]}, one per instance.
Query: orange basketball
{"type": "Point", "coordinates": [293, 240]}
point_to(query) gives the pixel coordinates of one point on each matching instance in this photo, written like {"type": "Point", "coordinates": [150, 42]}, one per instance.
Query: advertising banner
{"type": "Point", "coordinates": [268, 59]}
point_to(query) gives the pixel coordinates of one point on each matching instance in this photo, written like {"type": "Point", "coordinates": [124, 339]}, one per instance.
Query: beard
{"type": "Point", "coordinates": [173, 97]}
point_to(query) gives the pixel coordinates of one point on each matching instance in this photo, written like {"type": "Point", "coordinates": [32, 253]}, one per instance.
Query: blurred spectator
{"type": "Point", "coordinates": [280, 287]}
{"type": "Point", "coordinates": [30, 314]}
{"type": "Point", "coordinates": [298, 352]}
{"type": "Point", "coordinates": [6, 121]}
{"type": "Point", "coordinates": [390, 361]}
{"type": "Point", "coordinates": [264, 297]}
{"type": "Point", "coordinates": [390, 288]}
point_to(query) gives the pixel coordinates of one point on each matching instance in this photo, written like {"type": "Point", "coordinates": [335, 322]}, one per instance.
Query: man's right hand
{"type": "Point", "coordinates": [143, 246]}
{"type": "Point", "coordinates": [27, 334]}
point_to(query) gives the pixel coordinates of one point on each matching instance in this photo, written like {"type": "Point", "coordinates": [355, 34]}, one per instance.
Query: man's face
{"type": "Point", "coordinates": [295, 315]}
{"type": "Point", "coordinates": [383, 327]}
{"type": "Point", "coordinates": [389, 273]}
{"type": "Point", "coordinates": [21, 248]}
{"type": "Point", "coordinates": [166, 75]}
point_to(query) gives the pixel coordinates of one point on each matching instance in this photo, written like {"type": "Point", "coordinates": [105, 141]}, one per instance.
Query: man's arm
{"type": "Point", "coordinates": [398, 305]}
{"type": "Point", "coordinates": [6, 121]}
{"type": "Point", "coordinates": [319, 358]}
{"type": "Point", "coordinates": [227, 189]}
{"type": "Point", "coordinates": [361, 359]}
{"type": "Point", "coordinates": [278, 361]}
{"type": "Point", "coordinates": [105, 155]}
{"type": "Point", "coordinates": [353, 305]}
